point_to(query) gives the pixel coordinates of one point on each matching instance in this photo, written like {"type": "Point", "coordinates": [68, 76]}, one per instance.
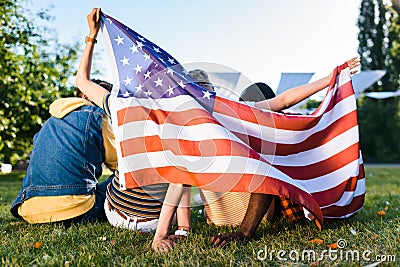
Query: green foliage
{"type": "Point", "coordinates": [379, 48]}
{"type": "Point", "coordinates": [312, 104]}
{"type": "Point", "coordinates": [34, 70]}
{"type": "Point", "coordinates": [104, 245]}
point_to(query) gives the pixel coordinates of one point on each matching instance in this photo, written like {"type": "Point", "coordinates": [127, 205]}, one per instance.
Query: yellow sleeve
{"type": "Point", "coordinates": [109, 144]}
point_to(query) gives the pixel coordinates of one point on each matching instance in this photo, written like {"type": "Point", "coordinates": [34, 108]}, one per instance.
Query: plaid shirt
{"type": "Point", "coordinates": [289, 209]}
{"type": "Point", "coordinates": [293, 211]}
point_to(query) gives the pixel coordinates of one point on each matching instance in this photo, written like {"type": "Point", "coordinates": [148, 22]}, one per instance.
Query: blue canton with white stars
{"type": "Point", "coordinates": [147, 71]}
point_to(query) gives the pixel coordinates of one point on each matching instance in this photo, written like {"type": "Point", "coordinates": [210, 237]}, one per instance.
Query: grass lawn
{"type": "Point", "coordinates": [367, 236]}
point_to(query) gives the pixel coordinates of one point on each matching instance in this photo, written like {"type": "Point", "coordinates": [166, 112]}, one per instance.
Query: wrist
{"type": "Point", "coordinates": [89, 39]}
{"type": "Point", "coordinates": [244, 236]}
{"type": "Point", "coordinates": [160, 234]}
{"type": "Point", "coordinates": [182, 230]}
{"type": "Point", "coordinates": [159, 237]}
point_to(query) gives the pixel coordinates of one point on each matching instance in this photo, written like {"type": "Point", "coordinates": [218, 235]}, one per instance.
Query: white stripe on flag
{"type": "Point", "coordinates": [332, 179]}
{"type": "Point", "coordinates": [320, 153]}
{"type": "Point", "coordinates": [348, 196]}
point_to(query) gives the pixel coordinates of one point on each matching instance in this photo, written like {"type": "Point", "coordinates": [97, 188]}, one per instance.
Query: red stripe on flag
{"type": "Point", "coordinates": [239, 183]}
{"type": "Point", "coordinates": [332, 195]}
{"type": "Point", "coordinates": [205, 148]}
{"type": "Point", "coordinates": [183, 118]}
{"type": "Point", "coordinates": [344, 91]}
{"type": "Point", "coordinates": [340, 211]}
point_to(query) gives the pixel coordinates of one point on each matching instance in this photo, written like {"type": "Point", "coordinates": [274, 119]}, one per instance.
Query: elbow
{"type": "Point", "coordinates": [287, 102]}
{"type": "Point", "coordinates": [79, 81]}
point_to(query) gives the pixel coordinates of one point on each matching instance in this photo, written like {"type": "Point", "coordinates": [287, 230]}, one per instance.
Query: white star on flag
{"type": "Point", "coordinates": [146, 56]}
{"type": "Point", "coordinates": [133, 48]}
{"type": "Point", "coordinates": [147, 74]}
{"type": "Point", "coordinates": [207, 94]}
{"type": "Point", "coordinates": [172, 61]}
{"type": "Point", "coordinates": [119, 40]}
{"type": "Point", "coordinates": [128, 80]}
{"type": "Point", "coordinates": [125, 61]}
{"type": "Point", "coordinates": [170, 90]}
{"type": "Point", "coordinates": [156, 49]}
{"type": "Point", "coordinates": [138, 68]}
{"type": "Point", "coordinates": [140, 45]}
{"type": "Point", "coordinates": [170, 71]}
{"type": "Point", "coordinates": [139, 87]}
{"type": "Point", "coordinates": [158, 82]}
{"type": "Point", "coordinates": [181, 84]}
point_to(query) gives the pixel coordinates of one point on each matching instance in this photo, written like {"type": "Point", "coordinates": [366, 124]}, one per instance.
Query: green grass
{"type": "Point", "coordinates": [103, 245]}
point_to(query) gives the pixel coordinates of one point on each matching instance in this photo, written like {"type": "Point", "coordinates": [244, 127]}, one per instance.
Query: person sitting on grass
{"type": "Point", "coordinates": [229, 208]}
{"type": "Point", "coordinates": [61, 182]}
{"type": "Point", "coordinates": [147, 208]}
{"type": "Point", "coordinates": [259, 204]}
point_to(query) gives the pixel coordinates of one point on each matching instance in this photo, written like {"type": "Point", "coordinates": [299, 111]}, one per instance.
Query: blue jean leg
{"type": "Point", "coordinates": [96, 214]}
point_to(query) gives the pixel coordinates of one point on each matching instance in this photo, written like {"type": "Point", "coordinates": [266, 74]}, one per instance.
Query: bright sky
{"type": "Point", "coordinates": [260, 38]}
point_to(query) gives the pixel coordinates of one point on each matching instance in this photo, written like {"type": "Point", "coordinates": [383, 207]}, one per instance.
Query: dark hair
{"type": "Point", "coordinates": [257, 92]}
{"type": "Point", "coordinates": [106, 85]}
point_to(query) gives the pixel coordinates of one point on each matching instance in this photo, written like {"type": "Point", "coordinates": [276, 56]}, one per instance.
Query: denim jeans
{"type": "Point", "coordinates": [96, 213]}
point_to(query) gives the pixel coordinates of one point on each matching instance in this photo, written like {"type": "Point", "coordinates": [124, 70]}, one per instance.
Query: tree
{"type": "Point", "coordinates": [379, 49]}
{"type": "Point", "coordinates": [34, 70]}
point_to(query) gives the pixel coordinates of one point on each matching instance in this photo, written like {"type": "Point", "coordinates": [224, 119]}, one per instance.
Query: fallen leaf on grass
{"type": "Point", "coordinates": [332, 246]}
{"type": "Point", "coordinates": [316, 240]}
{"type": "Point", "coordinates": [380, 213]}
{"type": "Point", "coordinates": [374, 237]}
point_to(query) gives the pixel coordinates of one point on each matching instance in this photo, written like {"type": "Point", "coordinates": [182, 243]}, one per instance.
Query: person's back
{"type": "Point", "coordinates": [69, 145]}
{"type": "Point", "coordinates": [65, 163]}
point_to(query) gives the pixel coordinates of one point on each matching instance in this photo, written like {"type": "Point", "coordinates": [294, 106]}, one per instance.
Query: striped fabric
{"type": "Point", "coordinates": [145, 202]}
{"type": "Point", "coordinates": [229, 208]}
{"type": "Point", "coordinates": [226, 208]}
{"type": "Point", "coordinates": [170, 129]}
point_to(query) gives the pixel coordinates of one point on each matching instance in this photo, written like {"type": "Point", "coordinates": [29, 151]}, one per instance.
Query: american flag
{"type": "Point", "coordinates": [170, 129]}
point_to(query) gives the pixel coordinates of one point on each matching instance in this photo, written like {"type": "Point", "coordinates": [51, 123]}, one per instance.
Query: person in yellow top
{"type": "Point", "coordinates": [61, 182]}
